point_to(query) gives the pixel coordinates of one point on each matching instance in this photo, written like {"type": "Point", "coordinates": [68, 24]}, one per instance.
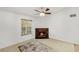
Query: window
{"type": "Point", "coordinates": [26, 26]}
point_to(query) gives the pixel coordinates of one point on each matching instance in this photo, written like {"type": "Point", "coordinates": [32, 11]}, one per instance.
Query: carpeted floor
{"type": "Point", "coordinates": [55, 45]}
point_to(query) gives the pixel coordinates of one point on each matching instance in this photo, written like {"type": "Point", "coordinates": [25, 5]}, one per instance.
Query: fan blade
{"type": "Point", "coordinates": [47, 9]}
{"type": "Point", "coordinates": [37, 10]}
{"type": "Point", "coordinates": [48, 13]}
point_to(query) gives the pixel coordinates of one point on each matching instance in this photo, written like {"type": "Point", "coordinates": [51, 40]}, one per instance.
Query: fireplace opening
{"type": "Point", "coordinates": [41, 33]}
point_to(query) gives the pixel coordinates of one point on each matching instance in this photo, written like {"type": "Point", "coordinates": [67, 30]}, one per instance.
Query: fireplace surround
{"type": "Point", "coordinates": [41, 33]}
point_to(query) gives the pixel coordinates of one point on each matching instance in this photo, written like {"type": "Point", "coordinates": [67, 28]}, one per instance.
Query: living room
{"type": "Point", "coordinates": [62, 24]}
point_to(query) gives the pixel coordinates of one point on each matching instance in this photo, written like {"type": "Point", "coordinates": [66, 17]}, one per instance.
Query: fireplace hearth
{"type": "Point", "coordinates": [41, 33]}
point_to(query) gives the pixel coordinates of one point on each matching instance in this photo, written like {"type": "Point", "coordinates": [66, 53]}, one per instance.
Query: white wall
{"type": "Point", "coordinates": [39, 22]}
{"type": "Point", "coordinates": [10, 28]}
{"type": "Point", "coordinates": [63, 27]}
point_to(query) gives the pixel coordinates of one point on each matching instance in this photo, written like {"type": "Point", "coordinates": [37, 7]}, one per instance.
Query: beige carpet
{"type": "Point", "coordinates": [56, 45]}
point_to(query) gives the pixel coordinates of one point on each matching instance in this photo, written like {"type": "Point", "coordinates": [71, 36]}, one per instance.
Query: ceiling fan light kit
{"type": "Point", "coordinates": [43, 11]}
{"type": "Point", "coordinates": [42, 14]}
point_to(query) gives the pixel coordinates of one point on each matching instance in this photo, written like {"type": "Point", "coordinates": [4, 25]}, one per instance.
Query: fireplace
{"type": "Point", "coordinates": [41, 33]}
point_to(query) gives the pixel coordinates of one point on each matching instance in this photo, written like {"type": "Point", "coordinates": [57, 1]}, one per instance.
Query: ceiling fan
{"type": "Point", "coordinates": [43, 11]}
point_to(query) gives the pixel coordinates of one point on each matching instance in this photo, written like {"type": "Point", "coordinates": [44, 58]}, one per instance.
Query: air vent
{"type": "Point", "coordinates": [73, 15]}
